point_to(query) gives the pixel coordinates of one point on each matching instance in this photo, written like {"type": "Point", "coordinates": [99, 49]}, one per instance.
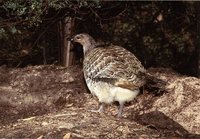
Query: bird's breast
{"type": "Point", "coordinates": [109, 93]}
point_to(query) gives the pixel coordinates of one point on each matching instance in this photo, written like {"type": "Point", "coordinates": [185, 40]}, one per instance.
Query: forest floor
{"type": "Point", "coordinates": [53, 102]}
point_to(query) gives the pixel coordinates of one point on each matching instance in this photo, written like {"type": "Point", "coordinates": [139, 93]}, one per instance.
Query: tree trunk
{"type": "Point", "coordinates": [67, 56]}
{"type": "Point", "coordinates": [198, 39]}
{"type": "Point", "coordinates": [60, 44]}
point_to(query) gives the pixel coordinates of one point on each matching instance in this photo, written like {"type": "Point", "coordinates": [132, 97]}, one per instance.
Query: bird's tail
{"type": "Point", "coordinates": [152, 81]}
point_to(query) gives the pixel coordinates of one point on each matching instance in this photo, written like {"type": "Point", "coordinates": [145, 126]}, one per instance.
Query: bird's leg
{"type": "Point", "coordinates": [101, 108]}
{"type": "Point", "coordinates": [120, 111]}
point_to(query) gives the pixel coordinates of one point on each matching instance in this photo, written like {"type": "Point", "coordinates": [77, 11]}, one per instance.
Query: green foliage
{"type": "Point", "coordinates": [24, 10]}
{"type": "Point", "coordinates": [25, 21]}
{"type": "Point", "coordinates": [22, 14]}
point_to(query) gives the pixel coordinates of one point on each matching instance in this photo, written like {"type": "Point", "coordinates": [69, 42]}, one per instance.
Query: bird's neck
{"type": "Point", "coordinates": [87, 47]}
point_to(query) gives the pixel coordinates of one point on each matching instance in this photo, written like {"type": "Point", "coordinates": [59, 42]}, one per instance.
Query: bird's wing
{"type": "Point", "coordinates": [113, 64]}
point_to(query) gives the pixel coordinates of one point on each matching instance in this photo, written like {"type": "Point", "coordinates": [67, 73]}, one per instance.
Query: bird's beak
{"type": "Point", "coordinates": [70, 39]}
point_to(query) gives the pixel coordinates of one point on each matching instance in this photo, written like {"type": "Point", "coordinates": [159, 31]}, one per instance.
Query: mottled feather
{"type": "Point", "coordinates": [112, 73]}
{"type": "Point", "coordinates": [115, 64]}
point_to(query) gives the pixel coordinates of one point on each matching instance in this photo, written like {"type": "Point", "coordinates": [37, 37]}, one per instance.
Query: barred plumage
{"type": "Point", "coordinates": [112, 73]}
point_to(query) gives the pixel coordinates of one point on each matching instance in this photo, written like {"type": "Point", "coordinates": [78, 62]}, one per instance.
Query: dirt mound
{"type": "Point", "coordinates": [53, 102]}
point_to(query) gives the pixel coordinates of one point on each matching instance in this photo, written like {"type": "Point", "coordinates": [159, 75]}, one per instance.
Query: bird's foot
{"type": "Point", "coordinates": [100, 110]}
{"type": "Point", "coordinates": [96, 111]}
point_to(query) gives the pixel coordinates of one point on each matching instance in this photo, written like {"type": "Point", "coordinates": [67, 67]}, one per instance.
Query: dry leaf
{"type": "Point", "coordinates": [67, 136]}
{"type": "Point", "coordinates": [27, 119]}
{"type": "Point", "coordinates": [40, 137]}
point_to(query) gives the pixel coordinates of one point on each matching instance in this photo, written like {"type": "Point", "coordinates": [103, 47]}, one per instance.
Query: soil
{"type": "Point", "coordinates": [53, 102]}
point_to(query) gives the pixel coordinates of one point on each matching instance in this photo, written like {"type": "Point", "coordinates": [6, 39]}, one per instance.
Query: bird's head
{"type": "Point", "coordinates": [85, 40]}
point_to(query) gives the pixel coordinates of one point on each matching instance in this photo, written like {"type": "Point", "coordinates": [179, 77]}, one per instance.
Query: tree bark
{"type": "Point", "coordinates": [60, 46]}
{"type": "Point", "coordinates": [198, 38]}
{"type": "Point", "coordinates": [67, 56]}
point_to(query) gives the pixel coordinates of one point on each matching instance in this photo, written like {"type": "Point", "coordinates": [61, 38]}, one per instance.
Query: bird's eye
{"type": "Point", "coordinates": [78, 38]}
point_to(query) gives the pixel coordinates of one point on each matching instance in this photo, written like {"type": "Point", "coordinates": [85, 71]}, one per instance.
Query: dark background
{"type": "Point", "coordinates": [160, 34]}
